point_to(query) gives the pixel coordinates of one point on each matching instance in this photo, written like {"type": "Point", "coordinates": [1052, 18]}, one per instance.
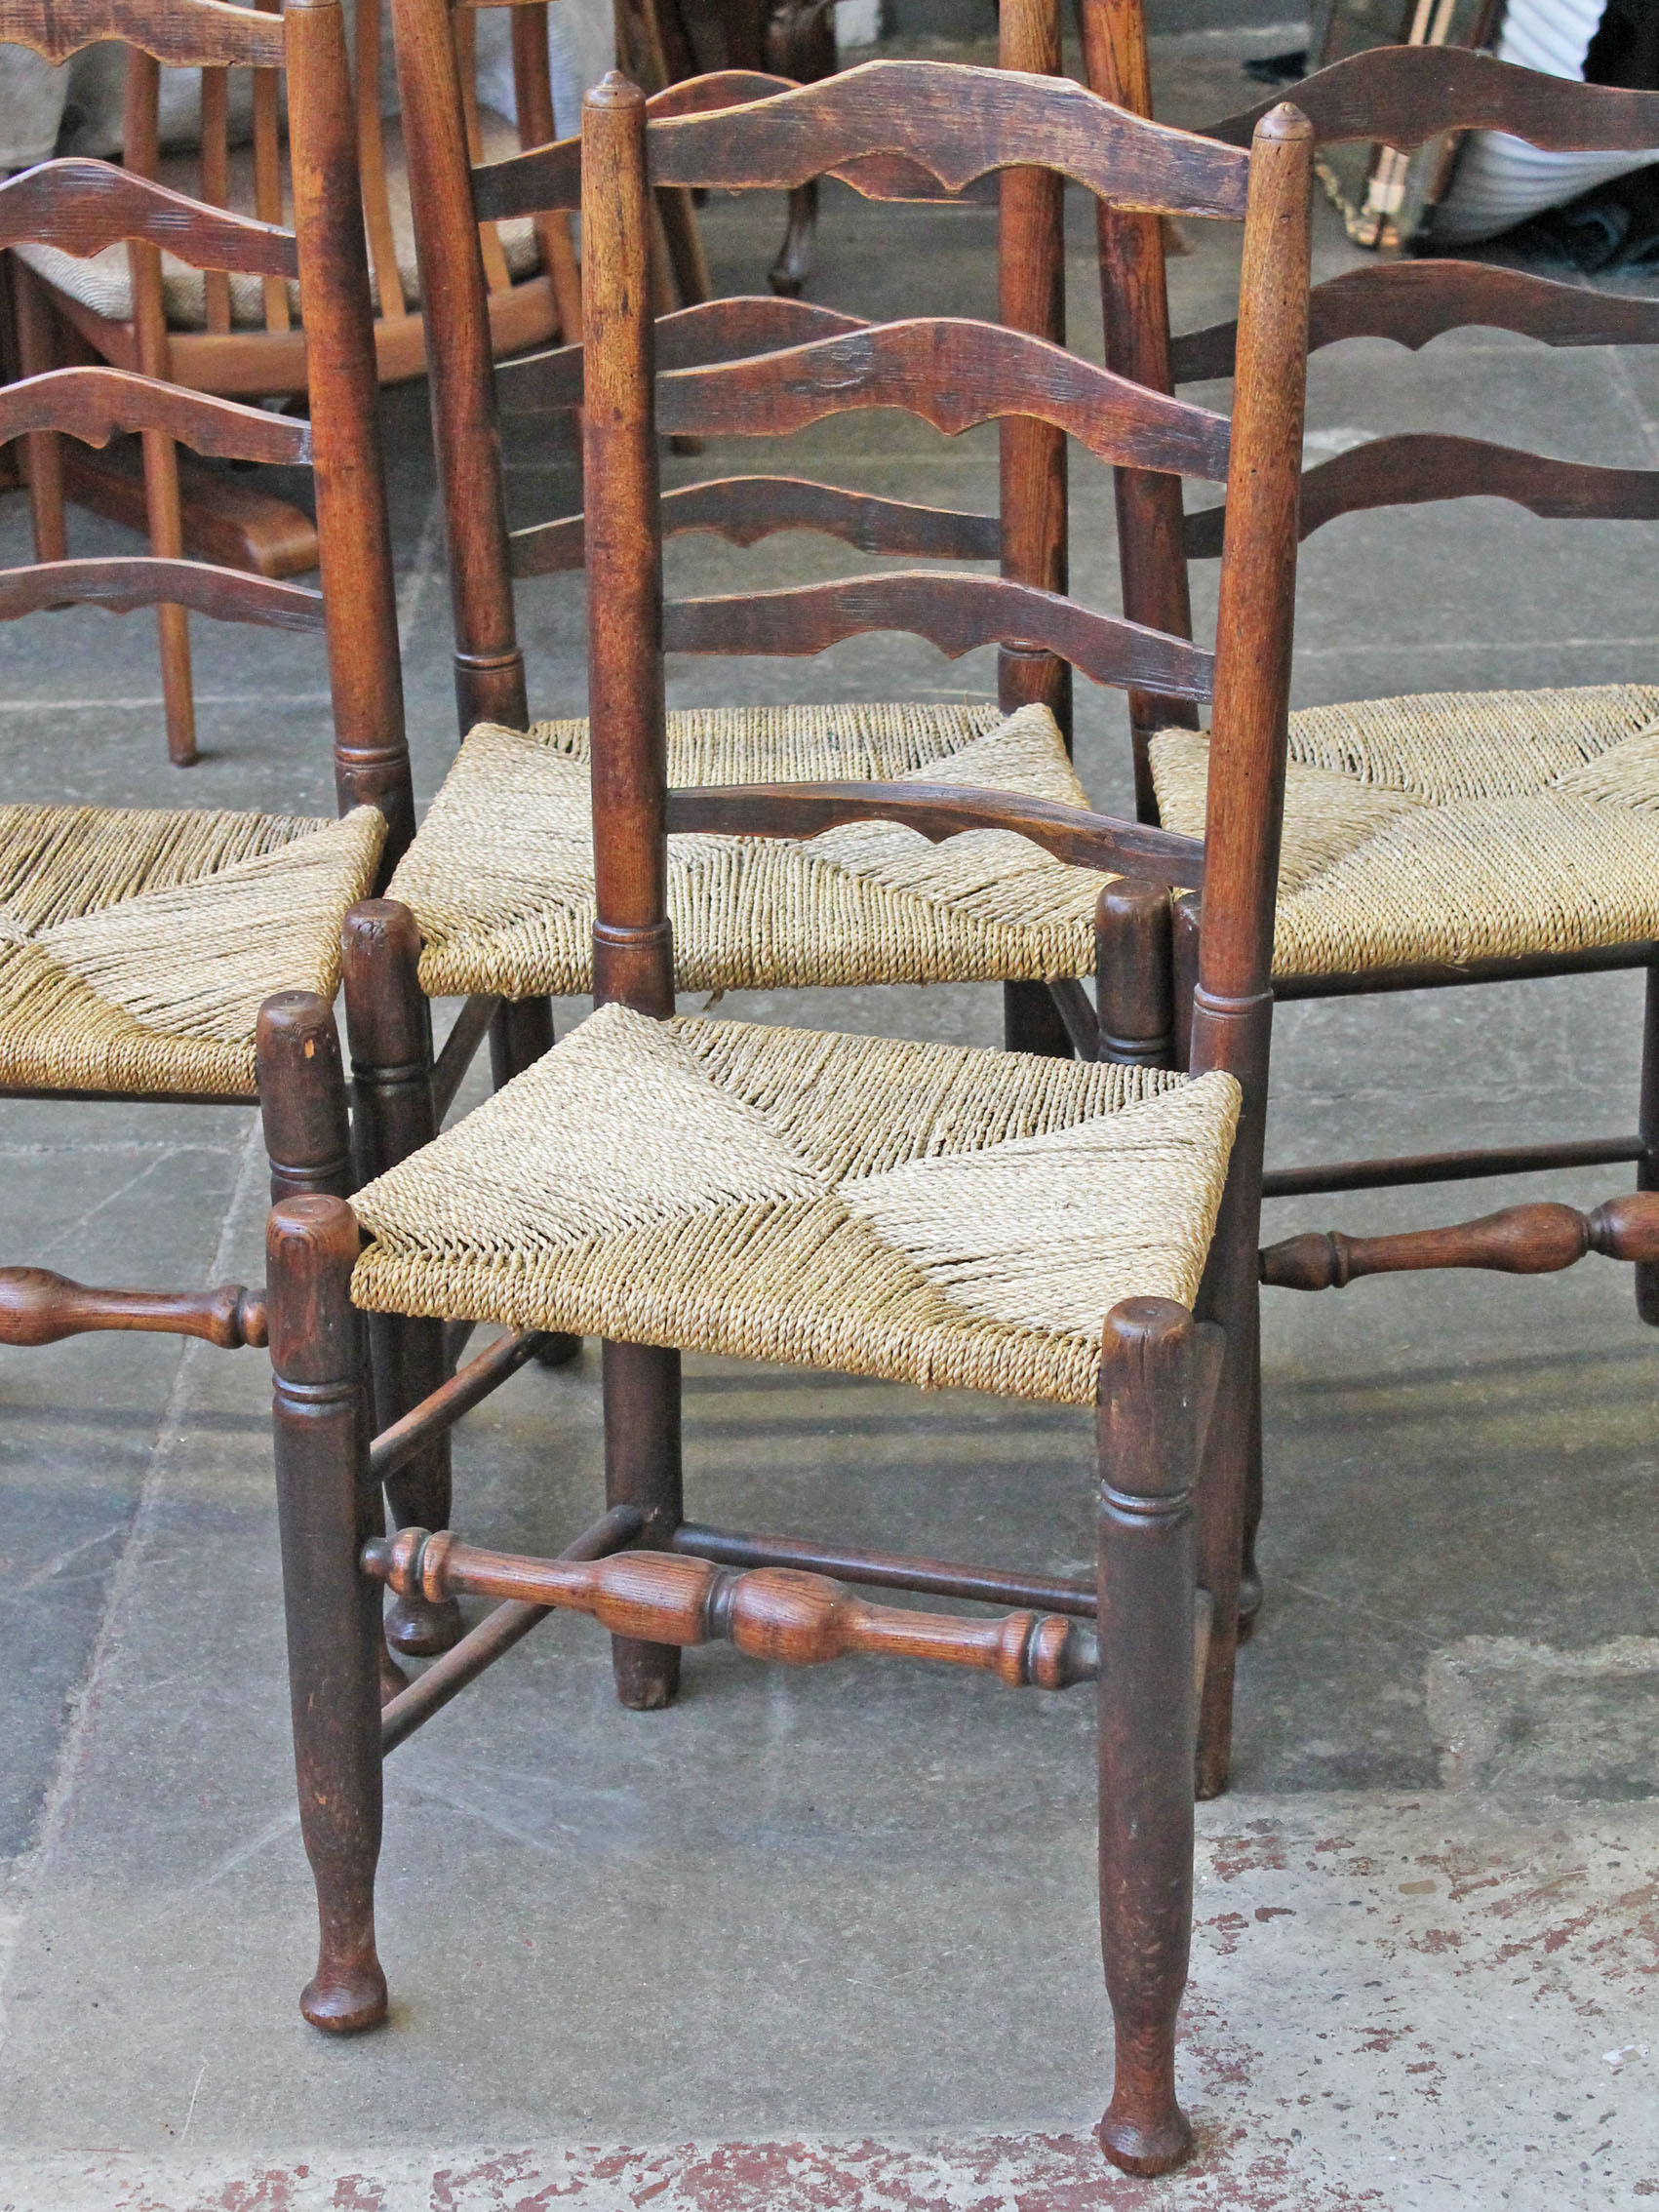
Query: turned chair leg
{"type": "Point", "coordinates": [328, 1508]}
{"type": "Point", "coordinates": [1249, 1569]}
{"type": "Point", "coordinates": [520, 1032]}
{"type": "Point", "coordinates": [641, 1468]}
{"type": "Point", "coordinates": [1134, 987]}
{"type": "Point", "coordinates": [1156, 1369]}
{"type": "Point", "coordinates": [303, 1098]}
{"type": "Point", "coordinates": [1648, 1128]}
{"type": "Point", "coordinates": [388, 1022]}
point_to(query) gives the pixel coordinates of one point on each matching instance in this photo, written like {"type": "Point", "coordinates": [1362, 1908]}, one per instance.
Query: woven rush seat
{"type": "Point", "coordinates": [1455, 826]}
{"type": "Point", "coordinates": [501, 877]}
{"type": "Point", "coordinates": [136, 946]}
{"type": "Point", "coordinates": [920, 1212]}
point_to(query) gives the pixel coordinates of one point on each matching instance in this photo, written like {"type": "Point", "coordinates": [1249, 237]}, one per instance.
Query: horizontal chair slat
{"type": "Point", "coordinates": [747, 508]}
{"type": "Point", "coordinates": [885, 128]}
{"type": "Point", "coordinates": [1421, 466]}
{"type": "Point", "coordinates": [98, 404]}
{"type": "Point", "coordinates": [714, 330]}
{"type": "Point", "coordinates": [1414, 302]}
{"type": "Point", "coordinates": [956, 614]}
{"type": "Point", "coordinates": [1403, 95]}
{"type": "Point", "coordinates": [132, 581]}
{"type": "Point", "coordinates": [186, 35]}
{"type": "Point", "coordinates": [952, 373]}
{"type": "Point", "coordinates": [939, 810]}
{"type": "Point", "coordinates": [81, 207]}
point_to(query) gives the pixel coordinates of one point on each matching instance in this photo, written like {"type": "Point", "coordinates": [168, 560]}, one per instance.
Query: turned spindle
{"type": "Point", "coordinates": [1521, 1240]}
{"type": "Point", "coordinates": [38, 1307]}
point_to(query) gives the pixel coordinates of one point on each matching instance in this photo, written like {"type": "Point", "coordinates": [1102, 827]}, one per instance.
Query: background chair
{"type": "Point", "coordinates": [240, 335]}
{"type": "Point", "coordinates": [883, 1208]}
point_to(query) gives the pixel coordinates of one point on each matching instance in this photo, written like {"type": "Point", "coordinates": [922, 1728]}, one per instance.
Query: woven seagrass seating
{"type": "Point", "coordinates": [506, 911]}
{"type": "Point", "coordinates": [1005, 1221]}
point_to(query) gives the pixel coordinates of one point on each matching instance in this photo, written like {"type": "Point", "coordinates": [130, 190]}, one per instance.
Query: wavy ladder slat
{"type": "Point", "coordinates": [1412, 302]}
{"type": "Point", "coordinates": [954, 613]}
{"type": "Point", "coordinates": [747, 508]}
{"type": "Point", "coordinates": [1421, 466]}
{"type": "Point", "coordinates": [692, 337]}
{"type": "Point", "coordinates": [82, 207]}
{"type": "Point", "coordinates": [131, 581]}
{"type": "Point", "coordinates": [98, 404]}
{"type": "Point", "coordinates": [955, 124]}
{"type": "Point", "coordinates": [186, 35]}
{"type": "Point", "coordinates": [1402, 96]}
{"type": "Point", "coordinates": [938, 811]}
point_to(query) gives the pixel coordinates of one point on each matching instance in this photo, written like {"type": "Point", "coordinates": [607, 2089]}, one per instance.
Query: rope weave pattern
{"type": "Point", "coordinates": [919, 1212]}
{"type": "Point", "coordinates": [501, 877]}
{"type": "Point", "coordinates": [1455, 826]}
{"type": "Point", "coordinates": [136, 947]}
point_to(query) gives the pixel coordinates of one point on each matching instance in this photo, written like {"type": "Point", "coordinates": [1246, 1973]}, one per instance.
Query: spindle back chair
{"type": "Point", "coordinates": [762, 1227]}
{"type": "Point", "coordinates": [241, 333]}
{"type": "Point", "coordinates": [1561, 781]}
{"type": "Point", "coordinates": [140, 943]}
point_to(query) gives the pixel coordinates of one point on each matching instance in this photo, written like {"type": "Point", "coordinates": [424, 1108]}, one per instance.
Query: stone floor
{"type": "Point", "coordinates": [828, 1939]}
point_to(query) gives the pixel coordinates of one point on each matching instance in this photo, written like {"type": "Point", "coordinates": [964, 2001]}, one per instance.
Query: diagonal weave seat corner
{"type": "Point", "coordinates": [1455, 826]}
{"type": "Point", "coordinates": [137, 945]}
{"type": "Point", "coordinates": [925, 1213]}
{"type": "Point", "coordinates": [501, 877]}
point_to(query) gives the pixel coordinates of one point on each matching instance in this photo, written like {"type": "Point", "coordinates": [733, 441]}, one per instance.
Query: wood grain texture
{"type": "Point", "coordinates": [38, 1307]}
{"type": "Point", "coordinates": [81, 207]}
{"type": "Point", "coordinates": [1421, 466]}
{"type": "Point", "coordinates": [1402, 96]}
{"type": "Point", "coordinates": [131, 581]}
{"type": "Point", "coordinates": [98, 404]}
{"type": "Point", "coordinates": [747, 508]}
{"type": "Point", "coordinates": [955, 123]}
{"type": "Point", "coordinates": [938, 811]}
{"type": "Point", "coordinates": [691, 337]}
{"type": "Point", "coordinates": [1412, 302]}
{"type": "Point", "coordinates": [184, 34]}
{"type": "Point", "coordinates": [954, 373]}
{"type": "Point", "coordinates": [1521, 1240]}
{"type": "Point", "coordinates": [955, 613]}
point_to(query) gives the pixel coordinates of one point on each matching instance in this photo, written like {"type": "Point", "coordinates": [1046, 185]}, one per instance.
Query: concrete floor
{"type": "Point", "coordinates": [828, 1938]}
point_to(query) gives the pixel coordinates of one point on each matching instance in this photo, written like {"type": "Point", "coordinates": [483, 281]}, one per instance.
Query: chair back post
{"type": "Point", "coordinates": [633, 958]}
{"type": "Point", "coordinates": [490, 677]}
{"type": "Point", "coordinates": [353, 529]}
{"type": "Point", "coordinates": [1031, 286]}
{"type": "Point", "coordinates": [1134, 307]}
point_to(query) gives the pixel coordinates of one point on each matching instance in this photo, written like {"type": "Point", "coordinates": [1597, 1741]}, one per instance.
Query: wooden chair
{"type": "Point", "coordinates": [913, 1211]}
{"type": "Point", "coordinates": [241, 336]}
{"type": "Point", "coordinates": [150, 954]}
{"type": "Point", "coordinates": [1447, 839]}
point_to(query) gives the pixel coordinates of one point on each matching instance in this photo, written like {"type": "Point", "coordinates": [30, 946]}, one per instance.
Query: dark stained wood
{"type": "Point", "coordinates": [747, 508]}
{"type": "Point", "coordinates": [98, 404]}
{"type": "Point", "coordinates": [186, 34]}
{"type": "Point", "coordinates": [131, 581]}
{"type": "Point", "coordinates": [772, 1613]}
{"type": "Point", "coordinates": [956, 124]}
{"type": "Point", "coordinates": [643, 1469]}
{"type": "Point", "coordinates": [1648, 1172]}
{"type": "Point", "coordinates": [38, 1307]}
{"type": "Point", "coordinates": [1521, 1240]}
{"type": "Point", "coordinates": [1448, 1167]}
{"type": "Point", "coordinates": [1414, 302]}
{"type": "Point", "coordinates": [328, 1508]}
{"type": "Point", "coordinates": [954, 373]}
{"type": "Point", "coordinates": [507, 1623]}
{"type": "Point", "coordinates": [1072, 1002]}
{"type": "Point", "coordinates": [887, 1570]}
{"type": "Point", "coordinates": [302, 1103]}
{"type": "Point", "coordinates": [1421, 466]}
{"type": "Point", "coordinates": [396, 1446]}
{"type": "Point", "coordinates": [226, 519]}
{"type": "Point", "coordinates": [955, 613]}
{"type": "Point", "coordinates": [81, 207]}
{"type": "Point", "coordinates": [1593, 960]}
{"type": "Point", "coordinates": [937, 810]}
{"type": "Point", "coordinates": [714, 330]}
{"type": "Point", "coordinates": [1402, 96]}
{"type": "Point", "coordinates": [449, 1071]}
{"type": "Point", "coordinates": [1134, 984]}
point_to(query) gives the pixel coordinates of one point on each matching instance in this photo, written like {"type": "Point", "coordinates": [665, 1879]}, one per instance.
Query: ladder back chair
{"type": "Point", "coordinates": [241, 335]}
{"type": "Point", "coordinates": [1078, 1234]}
{"type": "Point", "coordinates": [193, 957]}
{"type": "Point", "coordinates": [511, 930]}
{"type": "Point", "coordinates": [1451, 837]}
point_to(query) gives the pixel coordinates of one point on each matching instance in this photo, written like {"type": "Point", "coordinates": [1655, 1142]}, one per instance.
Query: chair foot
{"type": "Point", "coordinates": [1249, 1600]}
{"type": "Point", "coordinates": [1145, 2140]}
{"type": "Point", "coordinates": [345, 1995]}
{"type": "Point", "coordinates": [420, 1629]}
{"type": "Point", "coordinates": [560, 1351]}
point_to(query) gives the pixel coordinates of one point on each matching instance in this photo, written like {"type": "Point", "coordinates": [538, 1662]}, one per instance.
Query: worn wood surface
{"type": "Point", "coordinates": [1521, 1240]}
{"type": "Point", "coordinates": [39, 1307]}
{"type": "Point", "coordinates": [186, 34]}
{"type": "Point", "coordinates": [691, 338]}
{"type": "Point", "coordinates": [129, 580]}
{"type": "Point", "coordinates": [81, 207]}
{"type": "Point", "coordinates": [98, 404]}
